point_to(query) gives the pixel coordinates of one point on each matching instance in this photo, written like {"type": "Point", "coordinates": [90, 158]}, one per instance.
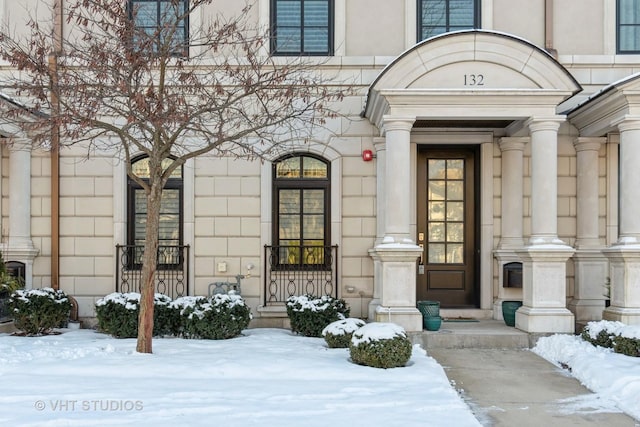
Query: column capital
{"type": "Point", "coordinates": [19, 144]}
{"type": "Point", "coordinates": [379, 143]}
{"type": "Point", "coordinates": [391, 122]}
{"type": "Point", "coordinates": [628, 122]}
{"type": "Point", "coordinates": [513, 143]}
{"type": "Point", "coordinates": [588, 144]}
{"type": "Point", "coordinates": [551, 123]}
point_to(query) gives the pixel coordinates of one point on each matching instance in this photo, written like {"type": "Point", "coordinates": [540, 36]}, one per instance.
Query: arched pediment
{"type": "Point", "coordinates": [461, 65]}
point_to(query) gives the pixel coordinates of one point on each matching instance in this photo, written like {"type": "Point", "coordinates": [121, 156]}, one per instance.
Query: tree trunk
{"type": "Point", "coordinates": [149, 264]}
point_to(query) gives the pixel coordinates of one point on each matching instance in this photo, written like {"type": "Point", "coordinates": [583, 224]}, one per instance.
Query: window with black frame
{"type": "Point", "coordinates": [302, 27]}
{"type": "Point", "coordinates": [171, 217]}
{"type": "Point", "coordinates": [628, 26]}
{"type": "Point", "coordinates": [301, 195]}
{"type": "Point", "coordinates": [442, 16]}
{"type": "Point", "coordinates": [158, 22]}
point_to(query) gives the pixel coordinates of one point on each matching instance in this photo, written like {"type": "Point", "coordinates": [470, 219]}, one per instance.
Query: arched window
{"type": "Point", "coordinates": [171, 214]}
{"type": "Point", "coordinates": [301, 210]}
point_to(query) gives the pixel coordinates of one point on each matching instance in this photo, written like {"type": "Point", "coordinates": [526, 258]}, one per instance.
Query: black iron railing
{"type": "Point", "coordinates": [298, 270]}
{"type": "Point", "coordinates": [172, 274]}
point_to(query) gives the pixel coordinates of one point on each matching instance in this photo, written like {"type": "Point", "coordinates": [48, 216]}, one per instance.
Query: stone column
{"type": "Point", "coordinates": [512, 183]}
{"type": "Point", "coordinates": [396, 255]}
{"type": "Point", "coordinates": [20, 246]}
{"type": "Point", "coordinates": [545, 259]}
{"type": "Point", "coordinates": [511, 216]}
{"type": "Point", "coordinates": [590, 265]}
{"type": "Point", "coordinates": [624, 255]}
{"type": "Point", "coordinates": [381, 157]}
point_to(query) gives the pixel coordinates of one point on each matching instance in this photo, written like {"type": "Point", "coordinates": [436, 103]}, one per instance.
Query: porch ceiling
{"type": "Point", "coordinates": [470, 75]}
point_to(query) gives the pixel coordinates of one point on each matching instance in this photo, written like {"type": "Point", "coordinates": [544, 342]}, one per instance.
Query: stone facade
{"type": "Point", "coordinates": [556, 164]}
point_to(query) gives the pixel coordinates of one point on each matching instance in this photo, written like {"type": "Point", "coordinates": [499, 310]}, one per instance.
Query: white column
{"type": "Point", "coordinates": [544, 261]}
{"type": "Point", "coordinates": [20, 195]}
{"type": "Point", "coordinates": [512, 183]}
{"type": "Point", "coordinates": [20, 246]}
{"type": "Point", "coordinates": [544, 181]}
{"type": "Point", "coordinates": [396, 255]}
{"type": "Point", "coordinates": [398, 179]}
{"type": "Point", "coordinates": [381, 157]}
{"type": "Point", "coordinates": [511, 231]}
{"type": "Point", "coordinates": [624, 255]}
{"type": "Point", "coordinates": [590, 265]}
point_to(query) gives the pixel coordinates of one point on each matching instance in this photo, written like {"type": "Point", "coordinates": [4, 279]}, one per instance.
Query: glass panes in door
{"type": "Point", "coordinates": [445, 211]}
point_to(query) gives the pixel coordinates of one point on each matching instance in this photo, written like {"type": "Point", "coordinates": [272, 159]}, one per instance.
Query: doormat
{"type": "Point", "coordinates": [459, 319]}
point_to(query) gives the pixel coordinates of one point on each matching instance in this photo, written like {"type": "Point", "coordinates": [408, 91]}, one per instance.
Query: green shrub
{"type": "Point", "coordinates": [118, 313]}
{"type": "Point", "coordinates": [380, 345]}
{"type": "Point", "coordinates": [38, 311]}
{"type": "Point", "coordinates": [309, 314]}
{"type": "Point", "coordinates": [601, 333]}
{"type": "Point", "coordinates": [626, 345]}
{"type": "Point", "coordinates": [221, 317]}
{"type": "Point", "coordinates": [338, 334]}
{"type": "Point", "coordinates": [615, 335]}
{"type": "Point", "coordinates": [166, 318]}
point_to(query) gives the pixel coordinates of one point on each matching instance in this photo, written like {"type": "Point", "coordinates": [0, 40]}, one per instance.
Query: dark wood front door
{"type": "Point", "coordinates": [447, 225]}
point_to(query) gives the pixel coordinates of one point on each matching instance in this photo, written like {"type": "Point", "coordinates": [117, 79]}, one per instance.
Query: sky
{"type": "Point", "coordinates": [266, 377]}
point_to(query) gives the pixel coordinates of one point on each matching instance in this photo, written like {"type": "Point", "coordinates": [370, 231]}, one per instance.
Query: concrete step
{"type": "Point", "coordinates": [484, 333]}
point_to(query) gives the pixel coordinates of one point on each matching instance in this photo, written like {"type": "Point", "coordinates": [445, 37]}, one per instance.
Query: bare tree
{"type": "Point", "coordinates": [118, 83]}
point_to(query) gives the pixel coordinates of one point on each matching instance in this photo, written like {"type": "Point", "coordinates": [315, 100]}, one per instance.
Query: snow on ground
{"type": "Point", "coordinates": [614, 378]}
{"type": "Point", "coordinates": [268, 377]}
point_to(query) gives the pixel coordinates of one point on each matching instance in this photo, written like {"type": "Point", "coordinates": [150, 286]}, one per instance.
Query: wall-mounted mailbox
{"type": "Point", "coordinates": [16, 269]}
{"type": "Point", "coordinates": [512, 275]}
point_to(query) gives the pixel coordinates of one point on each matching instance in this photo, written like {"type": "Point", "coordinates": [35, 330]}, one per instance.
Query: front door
{"type": "Point", "coordinates": [447, 221]}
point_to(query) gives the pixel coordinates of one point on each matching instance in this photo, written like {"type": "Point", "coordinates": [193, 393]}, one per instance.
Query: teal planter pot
{"type": "Point", "coordinates": [509, 311]}
{"type": "Point", "coordinates": [429, 308]}
{"type": "Point", "coordinates": [432, 323]}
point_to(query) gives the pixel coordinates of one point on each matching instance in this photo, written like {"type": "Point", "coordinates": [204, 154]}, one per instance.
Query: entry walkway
{"type": "Point", "coordinates": [512, 386]}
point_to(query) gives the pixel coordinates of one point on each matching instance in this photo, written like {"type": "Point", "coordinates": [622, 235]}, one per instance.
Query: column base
{"type": "Point", "coordinates": [373, 306]}
{"type": "Point", "coordinates": [587, 310]}
{"type": "Point", "coordinates": [628, 316]}
{"type": "Point", "coordinates": [407, 317]}
{"type": "Point", "coordinates": [545, 320]}
{"type": "Point", "coordinates": [396, 276]}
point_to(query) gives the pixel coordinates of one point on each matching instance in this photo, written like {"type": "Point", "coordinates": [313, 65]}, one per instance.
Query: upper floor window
{"type": "Point", "coordinates": [302, 27]}
{"type": "Point", "coordinates": [171, 214]}
{"type": "Point", "coordinates": [161, 22]}
{"type": "Point", "coordinates": [628, 21]}
{"type": "Point", "coordinates": [441, 16]}
{"type": "Point", "coordinates": [301, 210]}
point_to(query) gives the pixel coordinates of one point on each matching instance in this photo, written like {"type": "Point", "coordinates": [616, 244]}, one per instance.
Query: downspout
{"type": "Point", "coordinates": [55, 148]}
{"type": "Point", "coordinates": [548, 28]}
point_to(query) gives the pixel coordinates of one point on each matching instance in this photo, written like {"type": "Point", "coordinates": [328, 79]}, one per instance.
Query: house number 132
{"type": "Point", "coordinates": [474, 80]}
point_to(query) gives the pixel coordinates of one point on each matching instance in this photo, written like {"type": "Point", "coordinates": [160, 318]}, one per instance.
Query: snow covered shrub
{"type": "Point", "coordinates": [629, 346]}
{"type": "Point", "coordinates": [221, 317]}
{"type": "Point", "coordinates": [309, 314]}
{"type": "Point", "coordinates": [166, 318]}
{"type": "Point", "coordinates": [601, 333]}
{"type": "Point", "coordinates": [616, 335]}
{"type": "Point", "coordinates": [38, 311]}
{"type": "Point", "coordinates": [117, 315]}
{"type": "Point", "coordinates": [380, 345]}
{"type": "Point", "coordinates": [338, 334]}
